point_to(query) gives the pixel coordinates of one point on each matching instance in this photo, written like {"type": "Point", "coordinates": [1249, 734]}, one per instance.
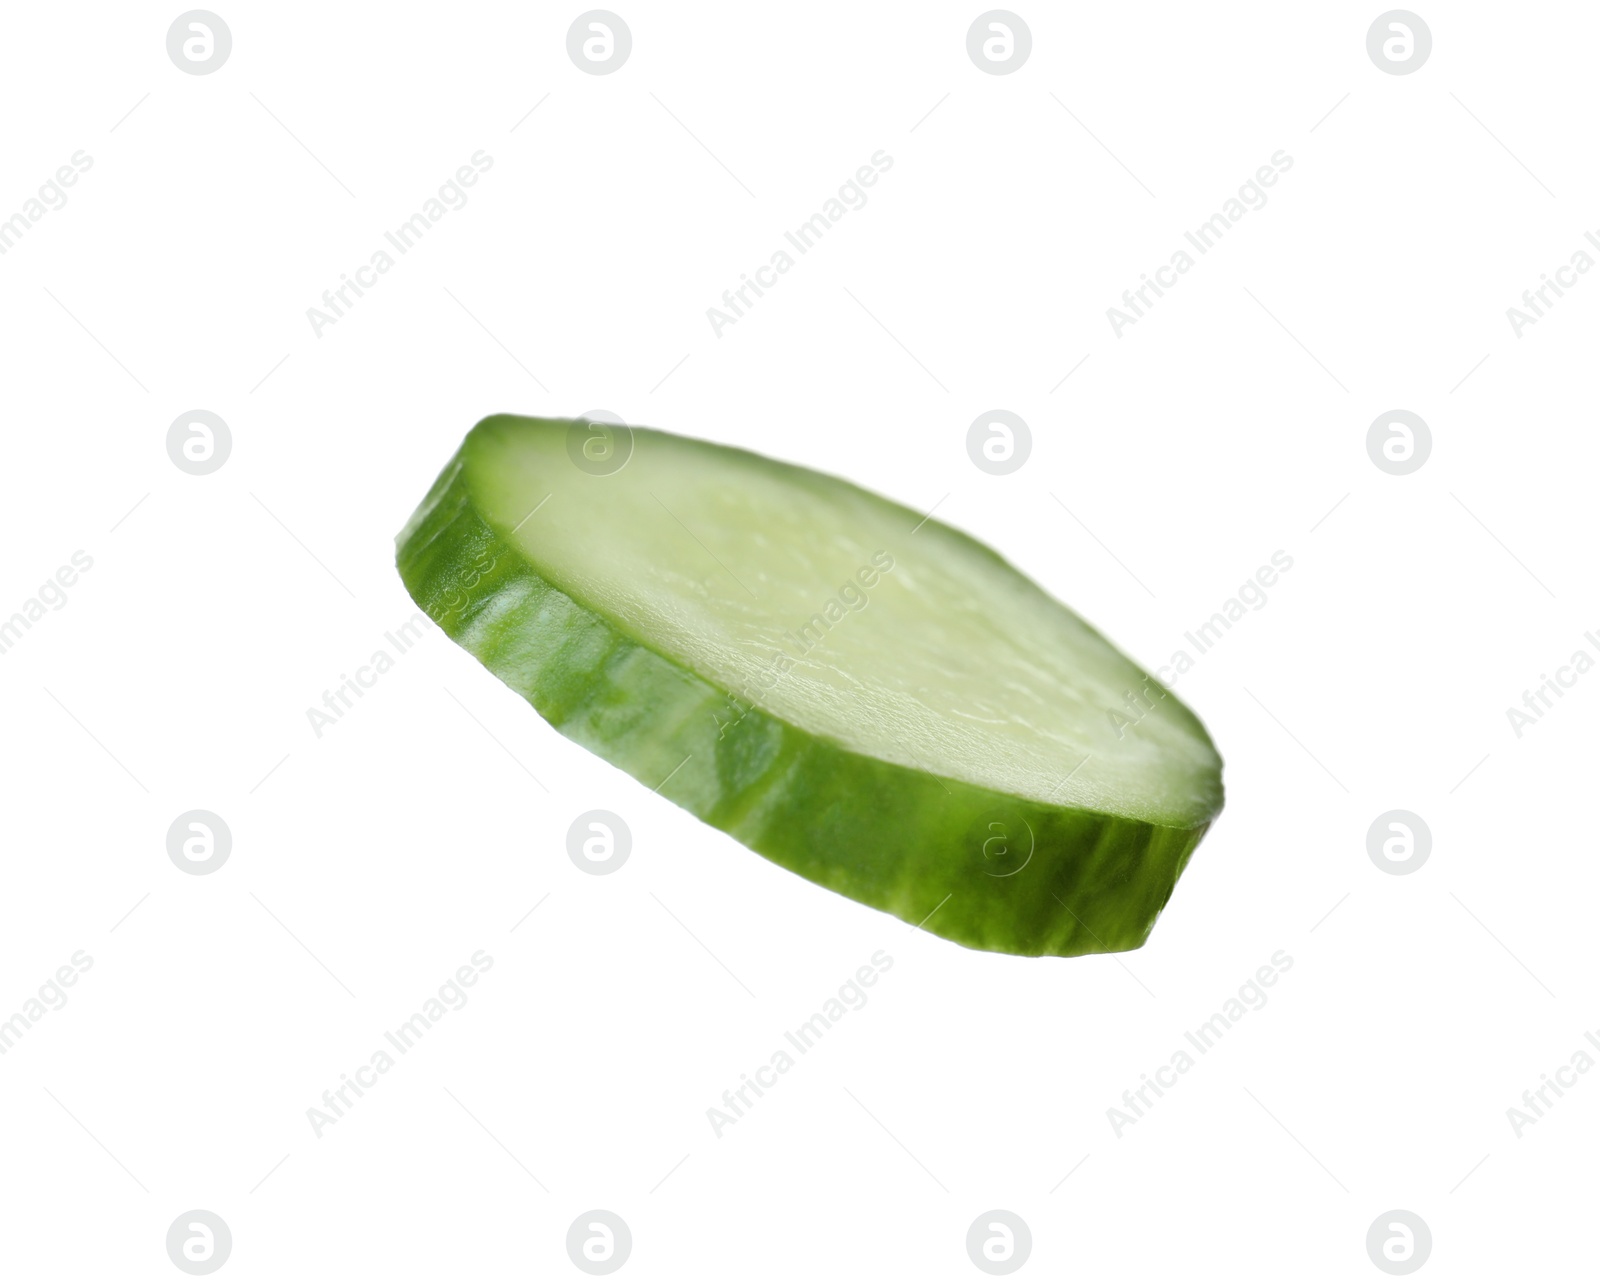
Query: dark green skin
{"type": "Point", "coordinates": [919, 847]}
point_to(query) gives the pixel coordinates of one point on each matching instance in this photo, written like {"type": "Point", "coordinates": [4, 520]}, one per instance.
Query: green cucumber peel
{"type": "Point", "coordinates": [867, 697]}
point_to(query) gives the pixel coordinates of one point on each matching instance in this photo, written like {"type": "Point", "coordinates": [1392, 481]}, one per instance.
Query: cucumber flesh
{"type": "Point", "coordinates": [873, 700]}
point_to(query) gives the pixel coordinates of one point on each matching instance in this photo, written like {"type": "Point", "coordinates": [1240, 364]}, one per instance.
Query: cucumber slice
{"type": "Point", "coordinates": [873, 700]}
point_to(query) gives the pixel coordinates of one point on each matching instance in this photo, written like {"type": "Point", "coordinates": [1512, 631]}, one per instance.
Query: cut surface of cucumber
{"type": "Point", "coordinates": [866, 696]}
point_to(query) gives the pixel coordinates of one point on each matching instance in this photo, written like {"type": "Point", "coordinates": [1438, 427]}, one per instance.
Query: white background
{"type": "Point", "coordinates": [369, 863]}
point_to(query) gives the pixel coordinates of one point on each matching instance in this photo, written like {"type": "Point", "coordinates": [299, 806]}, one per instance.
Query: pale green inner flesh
{"type": "Point", "coordinates": [951, 663]}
